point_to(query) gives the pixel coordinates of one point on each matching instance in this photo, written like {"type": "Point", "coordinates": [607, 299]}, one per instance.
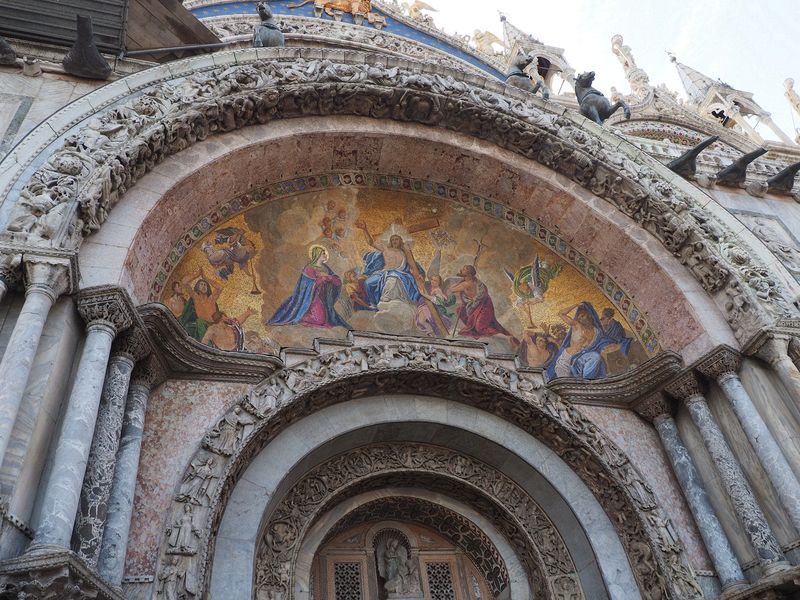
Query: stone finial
{"type": "Point", "coordinates": [686, 164]}
{"type": "Point", "coordinates": [685, 387]}
{"type": "Point", "coordinates": [108, 305]}
{"type": "Point", "coordinates": [84, 59]}
{"type": "Point", "coordinates": [724, 360]}
{"type": "Point", "coordinates": [736, 172]}
{"type": "Point", "coordinates": [654, 407]}
{"type": "Point", "coordinates": [149, 372]}
{"type": "Point", "coordinates": [7, 54]}
{"type": "Point", "coordinates": [133, 343]}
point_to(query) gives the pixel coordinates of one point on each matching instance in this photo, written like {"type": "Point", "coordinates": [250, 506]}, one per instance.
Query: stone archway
{"type": "Point", "coordinates": [653, 552]}
{"type": "Point", "coordinates": [82, 180]}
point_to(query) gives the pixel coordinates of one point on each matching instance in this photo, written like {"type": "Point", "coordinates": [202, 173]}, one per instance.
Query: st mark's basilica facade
{"type": "Point", "coordinates": [315, 300]}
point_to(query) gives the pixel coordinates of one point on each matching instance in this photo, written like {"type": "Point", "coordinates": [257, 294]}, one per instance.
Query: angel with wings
{"type": "Point", "coordinates": [437, 292]}
{"type": "Point", "coordinates": [397, 568]}
{"type": "Point", "coordinates": [530, 283]}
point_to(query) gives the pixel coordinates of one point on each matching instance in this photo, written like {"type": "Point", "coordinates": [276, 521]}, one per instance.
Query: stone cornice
{"type": "Point", "coordinates": [621, 390]}
{"type": "Point", "coordinates": [185, 357]}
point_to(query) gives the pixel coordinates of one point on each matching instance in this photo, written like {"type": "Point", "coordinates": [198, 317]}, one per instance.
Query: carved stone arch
{"type": "Point", "coordinates": [451, 525]}
{"type": "Point", "coordinates": [150, 120]}
{"type": "Point", "coordinates": [654, 553]}
{"type": "Point", "coordinates": [518, 517]}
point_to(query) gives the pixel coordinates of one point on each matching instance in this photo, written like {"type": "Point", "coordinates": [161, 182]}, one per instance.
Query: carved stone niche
{"type": "Point", "coordinates": [53, 575]}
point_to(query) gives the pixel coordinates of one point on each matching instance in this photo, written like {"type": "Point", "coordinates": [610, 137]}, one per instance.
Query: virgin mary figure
{"type": "Point", "coordinates": [314, 298]}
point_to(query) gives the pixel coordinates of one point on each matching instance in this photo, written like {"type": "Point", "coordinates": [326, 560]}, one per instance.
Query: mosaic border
{"type": "Point", "coordinates": [301, 185]}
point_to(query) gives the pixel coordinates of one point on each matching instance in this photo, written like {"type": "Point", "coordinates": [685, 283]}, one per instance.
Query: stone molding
{"type": "Point", "coordinates": [448, 523]}
{"type": "Point", "coordinates": [621, 390]}
{"type": "Point", "coordinates": [97, 166]}
{"type": "Point", "coordinates": [653, 548]}
{"type": "Point", "coordinates": [53, 574]}
{"type": "Point", "coordinates": [107, 305]}
{"type": "Point", "coordinates": [185, 357]}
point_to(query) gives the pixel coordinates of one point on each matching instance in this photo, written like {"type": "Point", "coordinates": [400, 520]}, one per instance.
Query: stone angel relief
{"type": "Point", "coordinates": [397, 568]}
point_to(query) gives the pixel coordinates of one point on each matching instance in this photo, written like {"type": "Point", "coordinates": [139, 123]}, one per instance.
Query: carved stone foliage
{"type": "Point", "coordinates": [286, 397]}
{"type": "Point", "coordinates": [525, 523]}
{"type": "Point", "coordinates": [458, 529]}
{"type": "Point", "coordinates": [108, 305]}
{"type": "Point", "coordinates": [72, 193]}
{"type": "Point", "coordinates": [724, 361]}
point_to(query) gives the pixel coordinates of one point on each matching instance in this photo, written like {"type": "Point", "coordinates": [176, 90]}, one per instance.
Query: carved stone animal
{"type": "Point", "coordinates": [594, 105]}
{"type": "Point", "coordinates": [349, 6]}
{"type": "Point", "coordinates": [267, 34]}
{"type": "Point", "coordinates": [518, 78]}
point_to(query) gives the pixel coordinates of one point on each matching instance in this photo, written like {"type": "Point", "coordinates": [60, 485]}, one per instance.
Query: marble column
{"type": "Point", "coordinates": [657, 409]}
{"type": "Point", "coordinates": [106, 310]}
{"type": "Point", "coordinates": [723, 366]}
{"type": "Point", "coordinates": [111, 564]}
{"type": "Point", "coordinates": [768, 551]}
{"type": "Point", "coordinates": [776, 352]}
{"type": "Point", "coordinates": [129, 348]}
{"type": "Point", "coordinates": [45, 282]}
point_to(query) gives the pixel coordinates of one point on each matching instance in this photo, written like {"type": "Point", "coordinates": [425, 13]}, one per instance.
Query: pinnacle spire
{"type": "Point", "coordinates": [513, 35]}
{"type": "Point", "coordinates": [696, 84]}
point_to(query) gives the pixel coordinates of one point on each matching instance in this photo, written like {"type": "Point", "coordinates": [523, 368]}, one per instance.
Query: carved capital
{"type": "Point", "coordinates": [774, 349]}
{"type": "Point", "coordinates": [51, 274]}
{"type": "Point", "coordinates": [722, 361]}
{"type": "Point", "coordinates": [654, 407]}
{"type": "Point", "coordinates": [133, 343]}
{"type": "Point", "coordinates": [106, 305]}
{"type": "Point", "coordinates": [148, 372]}
{"type": "Point", "coordinates": [686, 388]}
{"type": "Point", "coordinates": [10, 271]}
{"type": "Point", "coordinates": [53, 573]}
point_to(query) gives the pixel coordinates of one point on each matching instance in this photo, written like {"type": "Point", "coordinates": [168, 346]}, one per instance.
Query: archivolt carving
{"type": "Point", "coordinates": [656, 554]}
{"type": "Point", "coordinates": [451, 525]}
{"type": "Point", "coordinates": [538, 542]}
{"type": "Point", "coordinates": [71, 194]}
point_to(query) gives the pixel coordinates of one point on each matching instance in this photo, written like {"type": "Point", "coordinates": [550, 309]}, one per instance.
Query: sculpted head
{"type": "Point", "coordinates": [584, 80]}
{"type": "Point", "coordinates": [468, 271]}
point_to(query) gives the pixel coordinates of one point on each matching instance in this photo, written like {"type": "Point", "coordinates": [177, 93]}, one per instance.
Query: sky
{"type": "Point", "coordinates": [753, 45]}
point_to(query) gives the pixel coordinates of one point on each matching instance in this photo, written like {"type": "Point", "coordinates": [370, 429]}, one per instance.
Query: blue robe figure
{"type": "Point", "coordinates": [314, 298]}
{"type": "Point", "coordinates": [377, 278]}
{"type": "Point", "coordinates": [587, 363]}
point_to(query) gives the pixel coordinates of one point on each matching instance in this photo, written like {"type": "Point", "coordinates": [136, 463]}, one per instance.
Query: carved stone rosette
{"type": "Point", "coordinates": [655, 553]}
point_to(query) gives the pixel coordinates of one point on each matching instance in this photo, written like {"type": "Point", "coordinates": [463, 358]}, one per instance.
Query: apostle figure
{"type": "Point", "coordinates": [476, 309]}
{"type": "Point", "coordinates": [582, 353]}
{"type": "Point", "coordinates": [314, 298]}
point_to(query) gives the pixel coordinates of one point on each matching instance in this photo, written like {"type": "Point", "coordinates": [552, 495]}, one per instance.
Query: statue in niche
{"type": "Point", "coordinates": [267, 34]}
{"type": "Point", "coordinates": [183, 532]}
{"type": "Point", "coordinates": [594, 105]}
{"type": "Point", "coordinates": [398, 569]}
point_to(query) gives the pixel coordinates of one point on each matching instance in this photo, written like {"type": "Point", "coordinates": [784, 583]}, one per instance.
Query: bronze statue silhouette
{"type": "Point", "coordinates": [517, 76]}
{"type": "Point", "coordinates": [594, 105]}
{"type": "Point", "coordinates": [267, 34]}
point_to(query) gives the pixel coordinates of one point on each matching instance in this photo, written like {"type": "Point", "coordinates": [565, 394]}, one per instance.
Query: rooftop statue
{"type": "Point", "coordinates": [267, 34]}
{"type": "Point", "coordinates": [519, 78]}
{"type": "Point", "coordinates": [593, 104]}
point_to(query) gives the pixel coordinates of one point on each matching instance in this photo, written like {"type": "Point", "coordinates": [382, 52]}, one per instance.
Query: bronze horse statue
{"type": "Point", "coordinates": [267, 34]}
{"type": "Point", "coordinates": [594, 105]}
{"type": "Point", "coordinates": [517, 76]}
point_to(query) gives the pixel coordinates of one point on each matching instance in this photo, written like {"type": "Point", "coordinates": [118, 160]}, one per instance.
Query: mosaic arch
{"type": "Point", "coordinates": [321, 256]}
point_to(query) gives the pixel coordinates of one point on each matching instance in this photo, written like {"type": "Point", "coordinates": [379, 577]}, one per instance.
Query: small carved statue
{"type": "Point", "coordinates": [594, 105]}
{"type": "Point", "coordinates": [267, 34]}
{"type": "Point", "coordinates": [520, 79]}
{"type": "Point", "coordinates": [398, 569]}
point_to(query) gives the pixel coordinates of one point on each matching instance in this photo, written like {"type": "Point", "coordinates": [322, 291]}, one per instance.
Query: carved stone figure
{"type": "Point", "coordinates": [267, 34]}
{"type": "Point", "coordinates": [519, 78]}
{"type": "Point", "coordinates": [197, 482]}
{"type": "Point", "coordinates": [7, 54]}
{"type": "Point", "coordinates": [594, 105]}
{"type": "Point", "coordinates": [183, 533]}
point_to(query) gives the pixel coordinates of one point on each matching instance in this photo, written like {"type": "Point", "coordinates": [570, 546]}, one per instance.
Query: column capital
{"type": "Point", "coordinates": [133, 343]}
{"type": "Point", "coordinates": [721, 361]}
{"type": "Point", "coordinates": [774, 348]}
{"type": "Point", "coordinates": [10, 268]}
{"type": "Point", "coordinates": [149, 372]}
{"type": "Point", "coordinates": [106, 305]}
{"type": "Point", "coordinates": [655, 407]}
{"type": "Point", "coordinates": [51, 273]}
{"type": "Point", "coordinates": [686, 387]}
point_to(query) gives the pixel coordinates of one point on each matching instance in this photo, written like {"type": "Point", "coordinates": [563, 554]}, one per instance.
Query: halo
{"type": "Point", "coordinates": [312, 248]}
